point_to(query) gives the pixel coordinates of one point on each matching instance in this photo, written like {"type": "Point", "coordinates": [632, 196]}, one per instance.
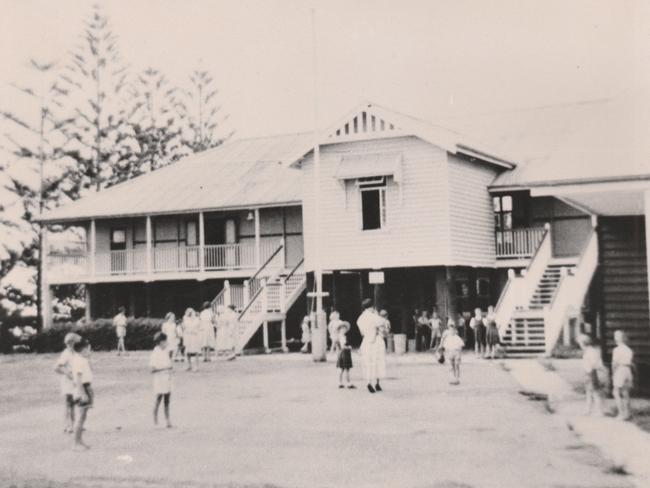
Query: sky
{"type": "Point", "coordinates": [272, 59]}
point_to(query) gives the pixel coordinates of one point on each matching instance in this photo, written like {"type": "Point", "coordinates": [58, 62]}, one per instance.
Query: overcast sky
{"type": "Point", "coordinates": [426, 58]}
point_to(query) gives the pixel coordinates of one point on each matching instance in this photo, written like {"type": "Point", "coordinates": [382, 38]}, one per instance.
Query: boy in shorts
{"type": "Point", "coordinates": [453, 347]}
{"type": "Point", "coordinates": [82, 377]}
{"type": "Point", "coordinates": [622, 379]}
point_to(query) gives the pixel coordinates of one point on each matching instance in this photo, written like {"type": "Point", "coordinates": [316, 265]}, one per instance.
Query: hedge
{"type": "Point", "coordinates": [100, 333]}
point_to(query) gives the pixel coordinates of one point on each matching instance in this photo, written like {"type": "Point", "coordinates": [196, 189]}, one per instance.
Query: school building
{"type": "Point", "coordinates": [552, 231]}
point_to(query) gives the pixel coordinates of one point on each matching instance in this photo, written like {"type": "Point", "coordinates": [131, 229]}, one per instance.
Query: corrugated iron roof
{"type": "Point", "coordinates": [239, 173]}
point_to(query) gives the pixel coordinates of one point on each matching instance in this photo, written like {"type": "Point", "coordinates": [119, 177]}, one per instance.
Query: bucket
{"type": "Point", "coordinates": [400, 343]}
{"type": "Point", "coordinates": [411, 345]}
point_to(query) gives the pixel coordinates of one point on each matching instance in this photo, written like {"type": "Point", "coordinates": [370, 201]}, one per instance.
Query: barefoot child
{"type": "Point", "coordinates": [161, 369]}
{"type": "Point", "coordinates": [622, 357]}
{"type": "Point", "coordinates": [82, 377]}
{"type": "Point", "coordinates": [344, 361]}
{"type": "Point", "coordinates": [63, 368]}
{"type": "Point", "coordinates": [453, 346]}
{"type": "Point", "coordinates": [591, 363]}
{"type": "Point", "coordinates": [119, 322]}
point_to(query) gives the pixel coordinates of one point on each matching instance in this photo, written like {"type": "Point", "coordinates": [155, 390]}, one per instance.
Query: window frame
{"type": "Point", "coordinates": [373, 184]}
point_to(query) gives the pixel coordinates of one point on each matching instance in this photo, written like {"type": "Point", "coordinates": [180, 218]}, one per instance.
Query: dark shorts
{"type": "Point", "coordinates": [69, 400]}
{"type": "Point", "coordinates": [89, 399]}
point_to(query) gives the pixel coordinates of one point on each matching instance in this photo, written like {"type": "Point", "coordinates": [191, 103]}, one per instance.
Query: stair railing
{"type": "Point", "coordinates": [254, 283]}
{"type": "Point", "coordinates": [519, 289]}
{"type": "Point", "coordinates": [570, 292]}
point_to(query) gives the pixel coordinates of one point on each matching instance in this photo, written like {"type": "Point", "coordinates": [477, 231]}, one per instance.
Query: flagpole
{"type": "Point", "coordinates": [319, 345]}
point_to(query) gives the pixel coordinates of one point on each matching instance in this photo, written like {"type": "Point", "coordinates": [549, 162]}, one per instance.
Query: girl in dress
{"type": "Point", "coordinates": [344, 361]}
{"type": "Point", "coordinates": [161, 369]}
{"type": "Point", "coordinates": [491, 334]}
{"type": "Point", "coordinates": [453, 346]}
{"type": "Point", "coordinates": [84, 397]}
{"type": "Point", "coordinates": [622, 380]}
{"type": "Point", "coordinates": [192, 338]}
{"type": "Point", "coordinates": [63, 367]}
{"type": "Point", "coordinates": [169, 329]}
{"type": "Point", "coordinates": [207, 330]}
{"type": "Point", "coordinates": [179, 355]}
{"type": "Point", "coordinates": [477, 325]}
{"type": "Point", "coordinates": [332, 329]}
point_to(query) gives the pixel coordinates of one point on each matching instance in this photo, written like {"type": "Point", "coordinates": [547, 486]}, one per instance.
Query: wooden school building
{"type": "Point", "coordinates": [552, 232]}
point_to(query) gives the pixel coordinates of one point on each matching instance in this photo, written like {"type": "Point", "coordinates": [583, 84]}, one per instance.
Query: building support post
{"type": "Point", "coordinates": [283, 332]}
{"type": "Point", "coordinates": [647, 235]}
{"type": "Point", "coordinates": [88, 314]}
{"type": "Point", "coordinates": [258, 239]}
{"type": "Point", "coordinates": [148, 237]}
{"type": "Point", "coordinates": [201, 243]}
{"type": "Point", "coordinates": [265, 331]}
{"type": "Point", "coordinates": [93, 247]}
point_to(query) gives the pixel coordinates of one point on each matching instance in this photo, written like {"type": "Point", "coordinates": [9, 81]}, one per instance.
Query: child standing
{"type": "Point", "coordinates": [119, 322]}
{"type": "Point", "coordinates": [169, 329]}
{"type": "Point", "coordinates": [622, 380]}
{"type": "Point", "coordinates": [64, 368]}
{"type": "Point", "coordinates": [492, 334]}
{"type": "Point", "coordinates": [332, 329]}
{"type": "Point", "coordinates": [453, 347]}
{"type": "Point", "coordinates": [436, 330]}
{"type": "Point", "coordinates": [82, 377]}
{"type": "Point", "coordinates": [192, 338]}
{"type": "Point", "coordinates": [478, 327]}
{"type": "Point", "coordinates": [591, 363]}
{"type": "Point", "coordinates": [161, 369]}
{"type": "Point", "coordinates": [306, 335]}
{"type": "Point", "coordinates": [344, 361]}
{"type": "Point", "coordinates": [206, 318]}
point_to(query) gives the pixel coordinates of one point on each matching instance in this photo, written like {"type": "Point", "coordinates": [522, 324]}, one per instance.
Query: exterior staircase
{"type": "Point", "coordinates": [264, 298]}
{"type": "Point", "coordinates": [535, 306]}
{"type": "Point", "coordinates": [547, 286]}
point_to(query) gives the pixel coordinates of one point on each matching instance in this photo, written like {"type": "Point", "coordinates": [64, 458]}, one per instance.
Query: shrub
{"type": "Point", "coordinates": [100, 333]}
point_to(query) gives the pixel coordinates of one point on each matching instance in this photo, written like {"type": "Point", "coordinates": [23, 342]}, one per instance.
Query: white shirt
{"type": "Point", "coordinates": [206, 317]}
{"type": "Point", "coordinates": [453, 343]}
{"type": "Point", "coordinates": [81, 366]}
{"type": "Point", "coordinates": [622, 355]}
{"type": "Point", "coordinates": [67, 386]}
{"type": "Point", "coordinates": [591, 359]}
{"type": "Point", "coordinates": [169, 329]}
{"type": "Point", "coordinates": [435, 323]}
{"type": "Point", "coordinates": [369, 323]}
{"type": "Point", "coordinates": [159, 359]}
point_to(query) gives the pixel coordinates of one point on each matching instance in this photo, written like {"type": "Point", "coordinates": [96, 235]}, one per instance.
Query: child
{"type": "Point", "coordinates": [591, 363]}
{"type": "Point", "coordinates": [192, 338]}
{"type": "Point", "coordinates": [119, 322]}
{"type": "Point", "coordinates": [180, 345]}
{"type": "Point", "coordinates": [306, 335]}
{"type": "Point", "coordinates": [169, 329]}
{"type": "Point", "coordinates": [436, 330]}
{"type": "Point", "coordinates": [344, 361]}
{"type": "Point", "coordinates": [82, 377]}
{"type": "Point", "coordinates": [63, 368]}
{"type": "Point", "coordinates": [622, 357]}
{"type": "Point", "coordinates": [477, 325]}
{"type": "Point", "coordinates": [206, 318]}
{"type": "Point", "coordinates": [492, 334]}
{"type": "Point", "coordinates": [332, 329]}
{"type": "Point", "coordinates": [453, 346]}
{"type": "Point", "coordinates": [161, 369]}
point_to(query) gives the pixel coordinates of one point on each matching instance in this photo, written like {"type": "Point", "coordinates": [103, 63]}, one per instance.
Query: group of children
{"type": "Point", "coordinates": [482, 331]}
{"type": "Point", "coordinates": [597, 375]}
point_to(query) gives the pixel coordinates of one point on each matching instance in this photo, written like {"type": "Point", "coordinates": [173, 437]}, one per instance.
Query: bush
{"type": "Point", "coordinates": [100, 333]}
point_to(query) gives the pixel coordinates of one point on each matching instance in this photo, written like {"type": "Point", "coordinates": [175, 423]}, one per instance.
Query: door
{"type": "Point", "coordinates": [118, 251]}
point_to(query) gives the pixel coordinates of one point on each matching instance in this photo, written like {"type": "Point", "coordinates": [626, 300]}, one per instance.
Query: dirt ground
{"type": "Point", "coordinates": [281, 421]}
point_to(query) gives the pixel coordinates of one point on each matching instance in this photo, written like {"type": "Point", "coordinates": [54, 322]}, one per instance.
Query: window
{"type": "Point", "coordinates": [373, 202]}
{"type": "Point", "coordinates": [118, 239]}
{"type": "Point", "coordinates": [192, 239]}
{"type": "Point", "coordinates": [503, 219]}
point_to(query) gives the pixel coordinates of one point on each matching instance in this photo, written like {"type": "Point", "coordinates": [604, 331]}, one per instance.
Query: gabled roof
{"type": "Point", "coordinates": [370, 120]}
{"type": "Point", "coordinates": [237, 174]}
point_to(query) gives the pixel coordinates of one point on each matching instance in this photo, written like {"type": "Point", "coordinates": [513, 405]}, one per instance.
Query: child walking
{"type": "Point", "coordinates": [306, 335]}
{"type": "Point", "coordinates": [161, 369]}
{"type": "Point", "coordinates": [82, 377]}
{"type": "Point", "coordinates": [119, 322]}
{"type": "Point", "coordinates": [64, 368]}
{"type": "Point", "coordinates": [453, 345]}
{"type": "Point", "coordinates": [478, 327]}
{"type": "Point", "coordinates": [591, 363]}
{"type": "Point", "coordinates": [622, 380]}
{"type": "Point", "coordinates": [344, 361]}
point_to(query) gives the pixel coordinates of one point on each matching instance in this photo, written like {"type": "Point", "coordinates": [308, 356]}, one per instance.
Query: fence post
{"type": "Point", "coordinates": [247, 294]}
{"type": "Point", "coordinates": [227, 299]}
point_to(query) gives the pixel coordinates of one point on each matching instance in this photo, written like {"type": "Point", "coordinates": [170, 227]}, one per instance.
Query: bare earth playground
{"type": "Point", "coordinates": [281, 421]}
